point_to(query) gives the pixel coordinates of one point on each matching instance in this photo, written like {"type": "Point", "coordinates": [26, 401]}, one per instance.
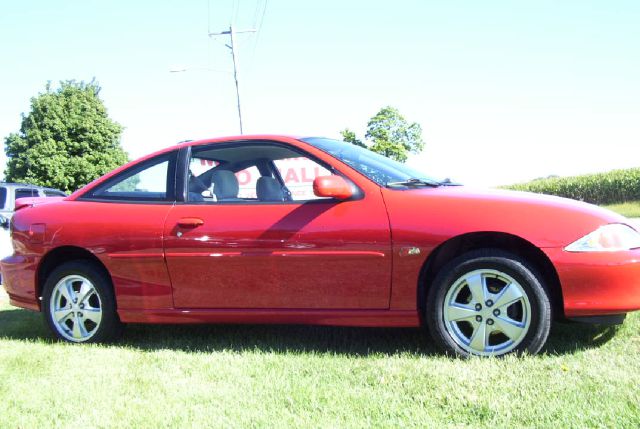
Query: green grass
{"type": "Point", "coordinates": [295, 376]}
{"type": "Point", "coordinates": [628, 209]}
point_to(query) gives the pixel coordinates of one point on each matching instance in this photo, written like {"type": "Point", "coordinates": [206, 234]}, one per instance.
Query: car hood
{"type": "Point", "coordinates": [543, 220]}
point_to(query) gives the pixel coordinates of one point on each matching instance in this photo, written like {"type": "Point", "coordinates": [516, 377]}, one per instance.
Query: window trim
{"type": "Point", "coordinates": [181, 174]}
{"type": "Point", "coordinates": [169, 198]}
{"type": "Point", "coordinates": [184, 164]}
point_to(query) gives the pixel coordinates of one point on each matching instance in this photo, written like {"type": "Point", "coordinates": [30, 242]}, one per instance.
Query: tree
{"type": "Point", "coordinates": [350, 137]}
{"type": "Point", "coordinates": [66, 141]}
{"type": "Point", "coordinates": [390, 135]}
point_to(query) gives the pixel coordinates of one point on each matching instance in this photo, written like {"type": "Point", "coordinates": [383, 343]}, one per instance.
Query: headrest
{"type": "Point", "coordinates": [268, 189]}
{"type": "Point", "coordinates": [225, 184]}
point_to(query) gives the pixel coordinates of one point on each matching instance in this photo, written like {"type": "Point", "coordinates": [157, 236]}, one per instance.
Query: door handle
{"type": "Point", "coordinates": [190, 222]}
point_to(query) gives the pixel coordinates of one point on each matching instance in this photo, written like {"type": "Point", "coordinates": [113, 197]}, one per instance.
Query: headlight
{"type": "Point", "coordinates": [609, 238]}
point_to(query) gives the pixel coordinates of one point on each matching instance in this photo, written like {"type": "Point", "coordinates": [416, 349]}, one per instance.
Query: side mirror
{"type": "Point", "coordinates": [4, 222]}
{"type": "Point", "coordinates": [332, 186]}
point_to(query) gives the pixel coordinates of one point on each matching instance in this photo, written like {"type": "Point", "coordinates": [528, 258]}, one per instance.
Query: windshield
{"type": "Point", "coordinates": [380, 169]}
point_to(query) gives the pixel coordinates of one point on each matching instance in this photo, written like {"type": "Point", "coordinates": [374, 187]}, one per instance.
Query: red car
{"type": "Point", "coordinates": [272, 229]}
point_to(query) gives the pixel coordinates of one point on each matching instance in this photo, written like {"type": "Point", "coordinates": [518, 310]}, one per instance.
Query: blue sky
{"type": "Point", "coordinates": [505, 91]}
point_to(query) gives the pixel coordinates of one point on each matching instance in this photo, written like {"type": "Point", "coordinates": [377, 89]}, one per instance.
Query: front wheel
{"type": "Point", "coordinates": [79, 305]}
{"type": "Point", "coordinates": [488, 303]}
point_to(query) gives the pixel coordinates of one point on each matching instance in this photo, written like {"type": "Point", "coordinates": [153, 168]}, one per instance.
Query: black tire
{"type": "Point", "coordinates": [520, 327]}
{"type": "Point", "coordinates": [82, 310]}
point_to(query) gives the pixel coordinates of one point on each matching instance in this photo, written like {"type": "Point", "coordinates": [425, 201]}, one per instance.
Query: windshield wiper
{"type": "Point", "coordinates": [415, 182]}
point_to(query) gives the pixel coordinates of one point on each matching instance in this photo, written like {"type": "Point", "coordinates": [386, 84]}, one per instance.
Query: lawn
{"type": "Point", "coordinates": [628, 209]}
{"type": "Point", "coordinates": [296, 376]}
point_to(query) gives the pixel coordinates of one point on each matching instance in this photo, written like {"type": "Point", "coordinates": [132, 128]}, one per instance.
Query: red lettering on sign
{"type": "Point", "coordinates": [291, 176]}
{"type": "Point", "coordinates": [244, 177]}
{"type": "Point", "coordinates": [304, 175]}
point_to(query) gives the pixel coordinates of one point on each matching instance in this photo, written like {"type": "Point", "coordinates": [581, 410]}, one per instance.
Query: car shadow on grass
{"type": "Point", "coordinates": [17, 324]}
{"type": "Point", "coordinates": [569, 337]}
{"type": "Point", "coordinates": [282, 339]}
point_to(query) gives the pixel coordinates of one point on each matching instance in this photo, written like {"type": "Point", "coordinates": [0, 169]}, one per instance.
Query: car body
{"type": "Point", "coordinates": [175, 238]}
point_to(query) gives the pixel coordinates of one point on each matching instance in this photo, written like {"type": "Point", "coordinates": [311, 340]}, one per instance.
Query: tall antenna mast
{"type": "Point", "coordinates": [234, 54]}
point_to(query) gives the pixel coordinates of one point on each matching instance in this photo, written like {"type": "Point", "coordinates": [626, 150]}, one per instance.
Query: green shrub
{"type": "Point", "coordinates": [615, 186]}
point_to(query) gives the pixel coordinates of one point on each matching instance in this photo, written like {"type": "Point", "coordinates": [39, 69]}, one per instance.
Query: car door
{"type": "Point", "coordinates": [247, 250]}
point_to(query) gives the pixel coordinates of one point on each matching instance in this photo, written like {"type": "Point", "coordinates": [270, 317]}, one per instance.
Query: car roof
{"type": "Point", "coordinates": [238, 138]}
{"type": "Point", "coordinates": [22, 185]}
{"type": "Point", "coordinates": [29, 186]}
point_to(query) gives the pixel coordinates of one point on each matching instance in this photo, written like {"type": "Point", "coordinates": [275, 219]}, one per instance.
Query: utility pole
{"type": "Point", "coordinates": [234, 54]}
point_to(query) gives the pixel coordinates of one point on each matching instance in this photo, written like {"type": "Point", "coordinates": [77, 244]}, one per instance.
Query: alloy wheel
{"type": "Point", "coordinates": [75, 308]}
{"type": "Point", "coordinates": [487, 312]}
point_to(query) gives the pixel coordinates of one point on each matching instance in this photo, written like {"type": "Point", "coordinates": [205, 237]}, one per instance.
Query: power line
{"type": "Point", "coordinates": [236, 11]}
{"type": "Point", "coordinates": [255, 14]}
{"type": "Point", "coordinates": [264, 10]}
{"type": "Point", "coordinates": [259, 29]}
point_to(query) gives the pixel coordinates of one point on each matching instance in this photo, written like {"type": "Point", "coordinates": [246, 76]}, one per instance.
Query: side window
{"type": "Point", "coordinates": [298, 174]}
{"type": "Point", "coordinates": [50, 193]}
{"type": "Point", "coordinates": [3, 197]}
{"type": "Point", "coordinates": [25, 193]}
{"type": "Point", "coordinates": [251, 172]}
{"type": "Point", "coordinates": [149, 181]}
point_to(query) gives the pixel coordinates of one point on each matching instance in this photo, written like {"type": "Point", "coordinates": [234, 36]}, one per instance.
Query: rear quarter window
{"type": "Point", "coordinates": [26, 193]}
{"type": "Point", "coordinates": [151, 180]}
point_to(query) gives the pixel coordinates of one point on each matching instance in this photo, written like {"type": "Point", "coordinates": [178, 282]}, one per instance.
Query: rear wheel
{"type": "Point", "coordinates": [488, 303]}
{"type": "Point", "coordinates": [79, 305]}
